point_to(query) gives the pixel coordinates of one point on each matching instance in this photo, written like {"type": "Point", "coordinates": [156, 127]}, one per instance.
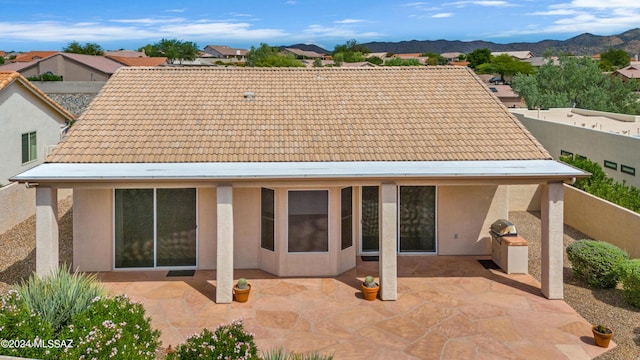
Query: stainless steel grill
{"type": "Point", "coordinates": [502, 227]}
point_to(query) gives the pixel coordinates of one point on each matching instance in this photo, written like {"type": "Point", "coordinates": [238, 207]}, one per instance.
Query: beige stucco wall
{"type": "Point", "coordinates": [464, 216]}
{"type": "Point", "coordinates": [246, 229]}
{"type": "Point", "coordinates": [602, 220]}
{"type": "Point", "coordinates": [207, 222]}
{"type": "Point", "coordinates": [21, 112]}
{"type": "Point", "coordinates": [69, 69]}
{"type": "Point", "coordinates": [93, 229]}
{"type": "Point", "coordinates": [17, 204]}
{"type": "Point", "coordinates": [524, 197]}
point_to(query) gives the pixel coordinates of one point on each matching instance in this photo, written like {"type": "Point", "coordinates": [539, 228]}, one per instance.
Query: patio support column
{"type": "Point", "coordinates": [389, 242]}
{"type": "Point", "coordinates": [46, 230]}
{"type": "Point", "coordinates": [224, 261]}
{"type": "Point", "coordinates": [552, 211]}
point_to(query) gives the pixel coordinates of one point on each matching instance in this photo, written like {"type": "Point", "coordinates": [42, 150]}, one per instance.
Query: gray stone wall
{"type": "Point", "coordinates": [74, 103]}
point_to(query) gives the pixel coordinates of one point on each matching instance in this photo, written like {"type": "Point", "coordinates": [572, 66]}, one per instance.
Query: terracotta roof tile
{"type": "Point", "coordinates": [139, 61]}
{"type": "Point", "coordinates": [296, 114]}
{"type": "Point", "coordinates": [33, 55]}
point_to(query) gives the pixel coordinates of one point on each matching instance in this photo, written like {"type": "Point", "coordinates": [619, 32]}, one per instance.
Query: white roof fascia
{"type": "Point", "coordinates": [54, 172]}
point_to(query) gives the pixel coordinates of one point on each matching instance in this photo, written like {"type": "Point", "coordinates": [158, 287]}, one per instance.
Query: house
{"type": "Point", "coordinates": [138, 61]}
{"type": "Point", "coordinates": [452, 56]}
{"type": "Point", "coordinates": [304, 54]}
{"type": "Point", "coordinates": [126, 53]}
{"type": "Point", "coordinates": [31, 124]}
{"type": "Point", "coordinates": [225, 52]}
{"type": "Point", "coordinates": [518, 55]}
{"type": "Point", "coordinates": [33, 56]}
{"type": "Point", "coordinates": [506, 95]}
{"type": "Point", "coordinates": [628, 73]}
{"type": "Point", "coordinates": [293, 171]}
{"type": "Point", "coordinates": [72, 67]}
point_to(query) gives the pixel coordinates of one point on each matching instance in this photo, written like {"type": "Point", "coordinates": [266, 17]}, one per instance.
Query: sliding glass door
{"type": "Point", "coordinates": [155, 228]}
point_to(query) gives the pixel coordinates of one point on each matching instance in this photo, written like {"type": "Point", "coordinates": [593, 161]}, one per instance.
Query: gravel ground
{"type": "Point", "coordinates": [17, 261]}
{"type": "Point", "coordinates": [18, 255]}
{"type": "Point", "coordinates": [596, 306]}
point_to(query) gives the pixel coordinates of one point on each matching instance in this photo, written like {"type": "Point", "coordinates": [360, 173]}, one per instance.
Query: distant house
{"type": "Point", "coordinates": [72, 67]}
{"type": "Point", "coordinates": [451, 56]}
{"type": "Point", "coordinates": [304, 54]}
{"type": "Point", "coordinates": [294, 171]}
{"type": "Point", "coordinates": [31, 124]}
{"type": "Point", "coordinates": [138, 61]}
{"type": "Point", "coordinates": [507, 96]}
{"type": "Point", "coordinates": [33, 56]}
{"type": "Point", "coordinates": [538, 61]}
{"type": "Point", "coordinates": [628, 73]}
{"type": "Point", "coordinates": [518, 55]}
{"type": "Point", "coordinates": [126, 53]}
{"type": "Point", "coordinates": [225, 52]}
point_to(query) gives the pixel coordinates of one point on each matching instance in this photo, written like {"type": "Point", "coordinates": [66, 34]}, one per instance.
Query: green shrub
{"type": "Point", "coordinates": [48, 76]}
{"type": "Point", "coordinates": [280, 354]}
{"type": "Point", "coordinates": [630, 277]}
{"type": "Point", "coordinates": [18, 322]}
{"type": "Point", "coordinates": [595, 262]}
{"type": "Point", "coordinates": [60, 295]}
{"type": "Point", "coordinates": [111, 327]}
{"type": "Point", "coordinates": [225, 342]}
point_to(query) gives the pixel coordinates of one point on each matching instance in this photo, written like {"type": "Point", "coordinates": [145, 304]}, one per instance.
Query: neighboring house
{"type": "Point", "coordinates": [293, 171]}
{"type": "Point", "coordinates": [452, 56]}
{"type": "Point", "coordinates": [139, 61]}
{"type": "Point", "coordinates": [33, 56]}
{"type": "Point", "coordinates": [518, 55]}
{"type": "Point", "coordinates": [507, 96]}
{"type": "Point", "coordinates": [225, 52]}
{"type": "Point", "coordinates": [126, 53]}
{"type": "Point", "coordinates": [72, 67]}
{"type": "Point", "coordinates": [628, 73]}
{"type": "Point", "coordinates": [538, 61]}
{"type": "Point", "coordinates": [303, 54]}
{"type": "Point", "coordinates": [611, 140]}
{"type": "Point", "coordinates": [31, 124]}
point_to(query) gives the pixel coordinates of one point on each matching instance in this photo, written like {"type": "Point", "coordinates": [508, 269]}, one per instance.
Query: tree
{"type": "Point", "coordinates": [505, 65]}
{"type": "Point", "coordinates": [176, 51]}
{"type": "Point", "coordinates": [614, 59]}
{"type": "Point", "coordinates": [576, 82]}
{"type": "Point", "coordinates": [479, 56]}
{"type": "Point", "coordinates": [376, 60]}
{"type": "Point", "coordinates": [269, 56]}
{"type": "Point", "coordinates": [75, 47]}
{"type": "Point", "coordinates": [1, 60]}
{"type": "Point", "coordinates": [396, 61]}
{"type": "Point", "coordinates": [435, 58]}
{"type": "Point", "coordinates": [351, 51]}
{"type": "Point", "coordinates": [317, 62]}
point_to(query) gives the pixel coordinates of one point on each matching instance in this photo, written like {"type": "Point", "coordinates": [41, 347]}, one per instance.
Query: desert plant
{"type": "Point", "coordinates": [60, 295]}
{"type": "Point", "coordinates": [596, 262]}
{"type": "Point", "coordinates": [227, 341]}
{"type": "Point", "coordinates": [602, 329]}
{"type": "Point", "coordinates": [111, 327]}
{"type": "Point", "coordinates": [369, 282]}
{"type": "Point", "coordinates": [630, 277]}
{"type": "Point", "coordinates": [242, 283]}
{"type": "Point", "coordinates": [281, 354]}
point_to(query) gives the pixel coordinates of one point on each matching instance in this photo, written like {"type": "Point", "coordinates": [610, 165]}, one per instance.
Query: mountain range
{"type": "Point", "coordinates": [585, 44]}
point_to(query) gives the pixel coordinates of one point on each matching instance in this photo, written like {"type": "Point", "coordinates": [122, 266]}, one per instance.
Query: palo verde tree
{"type": "Point", "coordinates": [505, 65]}
{"type": "Point", "coordinates": [176, 51]}
{"type": "Point", "coordinates": [270, 56]}
{"type": "Point", "coordinates": [87, 49]}
{"type": "Point", "coordinates": [351, 51]}
{"type": "Point", "coordinates": [575, 82]}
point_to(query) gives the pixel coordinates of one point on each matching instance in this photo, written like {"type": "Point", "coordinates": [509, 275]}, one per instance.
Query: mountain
{"type": "Point", "coordinates": [585, 44]}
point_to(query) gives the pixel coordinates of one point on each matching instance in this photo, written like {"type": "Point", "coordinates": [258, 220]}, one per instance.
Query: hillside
{"type": "Point", "coordinates": [585, 44]}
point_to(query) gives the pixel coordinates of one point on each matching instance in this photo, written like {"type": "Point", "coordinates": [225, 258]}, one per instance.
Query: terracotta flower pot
{"type": "Point", "coordinates": [601, 339]}
{"type": "Point", "coordinates": [241, 295]}
{"type": "Point", "coordinates": [370, 293]}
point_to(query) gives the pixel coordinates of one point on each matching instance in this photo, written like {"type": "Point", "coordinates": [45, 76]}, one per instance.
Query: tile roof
{"type": "Point", "coordinates": [100, 63]}
{"type": "Point", "coordinates": [304, 53]}
{"type": "Point", "coordinates": [31, 55]}
{"type": "Point", "coordinates": [228, 51]}
{"type": "Point", "coordinates": [8, 77]}
{"type": "Point", "coordinates": [629, 72]}
{"type": "Point", "coordinates": [17, 66]}
{"type": "Point", "coordinates": [209, 114]}
{"type": "Point", "coordinates": [139, 61]}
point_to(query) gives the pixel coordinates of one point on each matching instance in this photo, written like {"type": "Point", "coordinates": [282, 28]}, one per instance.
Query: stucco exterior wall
{"type": "Point", "coordinates": [93, 229]}
{"type": "Point", "coordinates": [464, 216]}
{"type": "Point", "coordinates": [68, 69]}
{"type": "Point", "coordinates": [524, 197]}
{"type": "Point", "coordinates": [17, 204]}
{"type": "Point", "coordinates": [602, 220]}
{"type": "Point", "coordinates": [246, 229]}
{"type": "Point", "coordinates": [21, 112]}
{"type": "Point", "coordinates": [207, 225]}
{"type": "Point", "coordinates": [596, 145]}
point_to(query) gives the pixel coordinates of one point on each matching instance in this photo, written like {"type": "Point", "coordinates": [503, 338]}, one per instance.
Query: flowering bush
{"type": "Point", "coordinates": [225, 342]}
{"type": "Point", "coordinates": [112, 327]}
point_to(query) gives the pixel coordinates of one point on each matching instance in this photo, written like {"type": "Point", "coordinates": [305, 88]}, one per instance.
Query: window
{"type": "Point", "coordinates": [417, 219]}
{"type": "Point", "coordinates": [308, 221]}
{"type": "Point", "coordinates": [155, 227]}
{"type": "Point", "coordinates": [346, 217]}
{"type": "Point", "coordinates": [628, 170]}
{"type": "Point", "coordinates": [267, 228]}
{"type": "Point", "coordinates": [29, 147]}
{"type": "Point", "coordinates": [581, 157]}
{"type": "Point", "coordinates": [565, 153]}
{"type": "Point", "coordinates": [611, 165]}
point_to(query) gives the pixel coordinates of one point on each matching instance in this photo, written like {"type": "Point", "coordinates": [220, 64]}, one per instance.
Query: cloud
{"type": "Point", "coordinates": [176, 10]}
{"type": "Point", "coordinates": [481, 3]}
{"type": "Point", "coordinates": [442, 15]}
{"type": "Point", "coordinates": [348, 21]}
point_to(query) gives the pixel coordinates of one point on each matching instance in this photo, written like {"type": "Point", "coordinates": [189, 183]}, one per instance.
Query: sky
{"type": "Point", "coordinates": [118, 24]}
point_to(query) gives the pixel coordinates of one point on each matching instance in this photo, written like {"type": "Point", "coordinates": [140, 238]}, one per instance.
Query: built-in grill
{"type": "Point", "coordinates": [508, 250]}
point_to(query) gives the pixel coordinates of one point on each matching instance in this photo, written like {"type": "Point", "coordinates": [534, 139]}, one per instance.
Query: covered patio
{"type": "Point", "coordinates": [448, 307]}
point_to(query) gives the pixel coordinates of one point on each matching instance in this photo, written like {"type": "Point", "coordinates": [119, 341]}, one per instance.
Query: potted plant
{"type": "Point", "coordinates": [370, 288]}
{"type": "Point", "coordinates": [241, 290]}
{"type": "Point", "coordinates": [602, 335]}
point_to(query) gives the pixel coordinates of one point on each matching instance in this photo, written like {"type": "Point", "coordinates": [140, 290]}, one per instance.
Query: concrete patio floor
{"type": "Point", "coordinates": [447, 308]}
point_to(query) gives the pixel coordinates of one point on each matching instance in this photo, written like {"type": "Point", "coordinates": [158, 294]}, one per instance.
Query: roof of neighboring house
{"type": "Point", "coordinates": [503, 91]}
{"type": "Point", "coordinates": [219, 115]}
{"type": "Point", "coordinates": [7, 78]}
{"type": "Point", "coordinates": [304, 53]}
{"type": "Point", "coordinates": [451, 55]}
{"type": "Point", "coordinates": [125, 53]}
{"type": "Point", "coordinates": [630, 72]}
{"type": "Point", "coordinates": [101, 63]}
{"type": "Point", "coordinates": [408, 55]}
{"type": "Point", "coordinates": [16, 66]}
{"type": "Point", "coordinates": [227, 51]}
{"type": "Point", "coordinates": [3, 53]}
{"type": "Point", "coordinates": [33, 55]}
{"type": "Point", "coordinates": [516, 54]}
{"type": "Point", "coordinates": [139, 61]}
{"type": "Point", "coordinates": [459, 63]}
